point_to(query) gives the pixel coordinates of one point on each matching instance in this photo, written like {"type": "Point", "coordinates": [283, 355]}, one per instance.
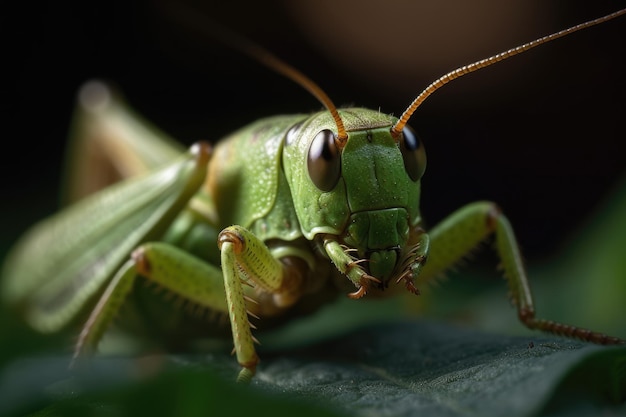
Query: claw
{"type": "Point", "coordinates": [408, 282]}
{"type": "Point", "coordinates": [358, 293]}
{"type": "Point", "coordinates": [364, 283]}
{"type": "Point", "coordinates": [411, 287]}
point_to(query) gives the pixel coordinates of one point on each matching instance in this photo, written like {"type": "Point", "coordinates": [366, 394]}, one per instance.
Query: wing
{"type": "Point", "coordinates": [109, 143]}
{"type": "Point", "coordinates": [65, 260]}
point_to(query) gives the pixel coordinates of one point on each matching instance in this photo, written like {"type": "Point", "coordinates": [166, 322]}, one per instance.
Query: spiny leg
{"type": "Point", "coordinates": [349, 266]}
{"type": "Point", "coordinates": [246, 258]}
{"type": "Point", "coordinates": [455, 237]}
{"type": "Point", "coordinates": [420, 248]}
{"type": "Point", "coordinates": [164, 264]}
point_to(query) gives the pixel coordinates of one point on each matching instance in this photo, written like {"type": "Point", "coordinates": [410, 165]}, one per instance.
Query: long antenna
{"type": "Point", "coordinates": [440, 82]}
{"type": "Point", "coordinates": [264, 57]}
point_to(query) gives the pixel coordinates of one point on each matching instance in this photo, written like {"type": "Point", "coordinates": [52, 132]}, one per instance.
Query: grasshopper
{"type": "Point", "coordinates": [276, 220]}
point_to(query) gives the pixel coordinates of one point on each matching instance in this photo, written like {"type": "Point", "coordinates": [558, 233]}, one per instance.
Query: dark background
{"type": "Point", "coordinates": [541, 134]}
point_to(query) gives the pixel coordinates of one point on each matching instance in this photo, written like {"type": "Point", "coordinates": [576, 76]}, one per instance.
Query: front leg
{"type": "Point", "coordinates": [246, 260]}
{"type": "Point", "coordinates": [459, 233]}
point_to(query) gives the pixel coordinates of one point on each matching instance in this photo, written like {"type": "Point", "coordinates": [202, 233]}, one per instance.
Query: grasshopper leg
{"type": "Point", "coordinates": [168, 266]}
{"type": "Point", "coordinates": [245, 258]}
{"type": "Point", "coordinates": [455, 237]}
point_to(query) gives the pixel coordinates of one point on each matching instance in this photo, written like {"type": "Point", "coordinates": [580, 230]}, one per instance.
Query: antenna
{"type": "Point", "coordinates": [264, 57]}
{"type": "Point", "coordinates": [441, 81]}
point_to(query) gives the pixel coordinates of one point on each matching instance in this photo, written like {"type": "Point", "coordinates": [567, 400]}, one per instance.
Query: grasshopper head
{"type": "Point", "coordinates": [363, 192]}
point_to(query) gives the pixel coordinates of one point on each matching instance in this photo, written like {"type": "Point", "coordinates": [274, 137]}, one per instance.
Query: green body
{"type": "Point", "coordinates": [251, 228]}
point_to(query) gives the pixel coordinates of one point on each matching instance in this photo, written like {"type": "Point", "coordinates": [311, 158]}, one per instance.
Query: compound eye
{"type": "Point", "coordinates": [413, 154]}
{"type": "Point", "coordinates": [324, 161]}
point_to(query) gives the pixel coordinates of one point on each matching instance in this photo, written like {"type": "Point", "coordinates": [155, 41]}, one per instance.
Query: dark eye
{"type": "Point", "coordinates": [324, 162]}
{"type": "Point", "coordinates": [413, 154]}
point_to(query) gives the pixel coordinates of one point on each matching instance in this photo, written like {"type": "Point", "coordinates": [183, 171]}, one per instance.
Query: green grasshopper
{"type": "Point", "coordinates": [278, 219]}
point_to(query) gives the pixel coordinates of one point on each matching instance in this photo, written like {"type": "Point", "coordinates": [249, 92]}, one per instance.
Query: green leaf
{"type": "Point", "coordinates": [399, 369]}
{"type": "Point", "coordinates": [411, 368]}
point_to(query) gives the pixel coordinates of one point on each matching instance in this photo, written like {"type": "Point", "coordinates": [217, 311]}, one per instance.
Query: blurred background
{"type": "Point", "coordinates": [542, 134]}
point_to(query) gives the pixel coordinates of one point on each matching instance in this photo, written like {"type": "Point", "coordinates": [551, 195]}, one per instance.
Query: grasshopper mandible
{"type": "Point", "coordinates": [355, 225]}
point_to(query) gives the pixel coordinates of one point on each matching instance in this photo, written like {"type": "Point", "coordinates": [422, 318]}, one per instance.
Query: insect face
{"type": "Point", "coordinates": [373, 181]}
